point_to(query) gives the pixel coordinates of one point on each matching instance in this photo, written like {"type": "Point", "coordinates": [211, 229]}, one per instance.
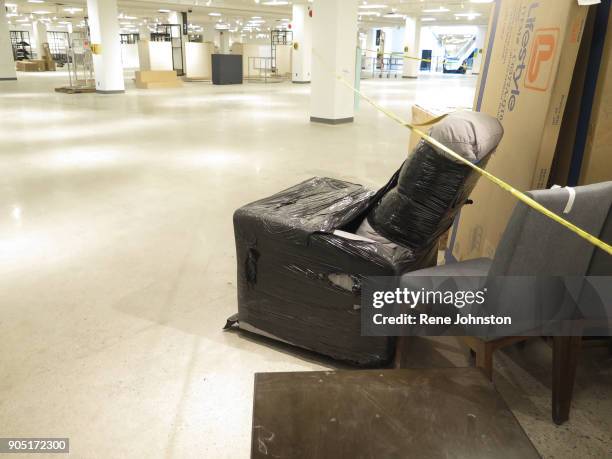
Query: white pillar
{"type": "Point", "coordinates": [301, 55]}
{"type": "Point", "coordinates": [412, 32]}
{"type": "Point", "coordinates": [104, 29]}
{"type": "Point", "coordinates": [334, 40]}
{"type": "Point", "coordinates": [144, 34]}
{"type": "Point", "coordinates": [224, 46]}
{"type": "Point", "coordinates": [7, 63]}
{"type": "Point", "coordinates": [39, 32]}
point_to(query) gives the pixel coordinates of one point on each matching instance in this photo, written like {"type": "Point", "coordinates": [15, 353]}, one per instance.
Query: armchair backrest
{"type": "Point", "coordinates": [532, 244]}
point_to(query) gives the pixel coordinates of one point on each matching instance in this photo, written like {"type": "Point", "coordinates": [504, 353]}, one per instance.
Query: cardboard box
{"type": "Point", "coordinates": [531, 52]}
{"type": "Point", "coordinates": [565, 143]}
{"type": "Point", "coordinates": [159, 84]}
{"type": "Point", "coordinates": [31, 66]}
{"type": "Point", "coordinates": [155, 76]}
{"type": "Point", "coordinates": [157, 79]}
{"type": "Point", "coordinates": [48, 58]}
{"type": "Point", "coordinates": [597, 160]}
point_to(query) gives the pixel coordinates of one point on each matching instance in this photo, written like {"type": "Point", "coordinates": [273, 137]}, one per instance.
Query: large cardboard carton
{"type": "Point", "coordinates": [156, 79]}
{"type": "Point", "coordinates": [567, 137]}
{"type": "Point", "coordinates": [597, 160]}
{"type": "Point", "coordinates": [559, 97]}
{"type": "Point", "coordinates": [596, 163]}
{"type": "Point", "coordinates": [34, 65]}
{"type": "Point", "coordinates": [531, 53]}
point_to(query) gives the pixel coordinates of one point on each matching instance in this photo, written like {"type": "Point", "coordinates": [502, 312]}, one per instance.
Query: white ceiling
{"type": "Point", "coordinates": [235, 11]}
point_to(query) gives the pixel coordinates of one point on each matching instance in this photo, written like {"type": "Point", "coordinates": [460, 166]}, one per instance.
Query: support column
{"type": "Point", "coordinates": [106, 47]}
{"type": "Point", "coordinates": [144, 34]}
{"type": "Point", "coordinates": [301, 56]}
{"type": "Point", "coordinates": [7, 62]}
{"type": "Point", "coordinates": [334, 42]}
{"type": "Point", "coordinates": [39, 32]}
{"type": "Point", "coordinates": [224, 46]}
{"type": "Point", "coordinates": [412, 34]}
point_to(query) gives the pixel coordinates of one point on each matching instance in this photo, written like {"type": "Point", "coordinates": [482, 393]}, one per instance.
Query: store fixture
{"type": "Point", "coordinates": [59, 46]}
{"type": "Point", "coordinates": [227, 69]}
{"type": "Point", "coordinates": [280, 37]}
{"type": "Point", "coordinates": [80, 65]}
{"type": "Point", "coordinates": [390, 65]}
{"type": "Point", "coordinates": [129, 38]}
{"type": "Point", "coordinates": [172, 33]}
{"type": "Point", "coordinates": [22, 50]}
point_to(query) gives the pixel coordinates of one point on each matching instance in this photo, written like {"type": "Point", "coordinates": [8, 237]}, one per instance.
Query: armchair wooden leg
{"type": "Point", "coordinates": [400, 349]}
{"type": "Point", "coordinates": [484, 359]}
{"type": "Point", "coordinates": [565, 360]}
{"type": "Point", "coordinates": [483, 353]}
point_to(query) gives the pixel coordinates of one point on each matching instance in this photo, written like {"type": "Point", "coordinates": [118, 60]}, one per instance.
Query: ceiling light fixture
{"type": "Point", "coordinates": [436, 10]}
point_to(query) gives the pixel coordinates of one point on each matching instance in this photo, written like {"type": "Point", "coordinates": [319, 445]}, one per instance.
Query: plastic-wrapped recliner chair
{"type": "Point", "coordinates": [302, 252]}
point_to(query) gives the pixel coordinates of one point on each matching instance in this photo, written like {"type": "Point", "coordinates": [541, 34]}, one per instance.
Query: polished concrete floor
{"type": "Point", "coordinates": [117, 265]}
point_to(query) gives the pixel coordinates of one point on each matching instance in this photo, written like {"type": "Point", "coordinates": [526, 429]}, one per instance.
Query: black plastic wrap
{"type": "Point", "coordinates": [421, 207]}
{"type": "Point", "coordinates": [298, 282]}
{"type": "Point", "coordinates": [286, 253]}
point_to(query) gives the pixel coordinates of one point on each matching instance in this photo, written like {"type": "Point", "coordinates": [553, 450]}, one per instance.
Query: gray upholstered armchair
{"type": "Point", "coordinates": [535, 245]}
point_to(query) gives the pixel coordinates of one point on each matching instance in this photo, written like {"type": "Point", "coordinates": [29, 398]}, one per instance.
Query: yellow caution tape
{"type": "Point", "coordinates": [397, 53]}
{"type": "Point", "coordinates": [499, 182]}
{"type": "Point", "coordinates": [405, 56]}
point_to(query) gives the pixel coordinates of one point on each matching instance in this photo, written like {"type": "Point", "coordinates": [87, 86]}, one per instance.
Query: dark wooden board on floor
{"type": "Point", "coordinates": [416, 413]}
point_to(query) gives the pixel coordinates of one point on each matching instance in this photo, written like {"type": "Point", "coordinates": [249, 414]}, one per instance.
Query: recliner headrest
{"type": "Point", "coordinates": [473, 135]}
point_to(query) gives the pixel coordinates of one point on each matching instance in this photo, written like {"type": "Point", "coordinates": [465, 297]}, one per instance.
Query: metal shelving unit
{"type": "Point", "coordinates": [59, 46]}
{"type": "Point", "coordinates": [20, 40]}
{"type": "Point", "coordinates": [130, 38]}
{"type": "Point", "coordinates": [278, 37]}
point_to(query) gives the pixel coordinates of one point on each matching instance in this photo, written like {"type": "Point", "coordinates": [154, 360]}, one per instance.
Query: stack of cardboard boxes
{"type": "Point", "coordinates": [34, 65]}
{"type": "Point", "coordinates": [46, 64]}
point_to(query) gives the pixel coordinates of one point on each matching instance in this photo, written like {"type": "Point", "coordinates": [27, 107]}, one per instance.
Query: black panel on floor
{"type": "Point", "coordinates": [227, 69]}
{"type": "Point", "coordinates": [450, 412]}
